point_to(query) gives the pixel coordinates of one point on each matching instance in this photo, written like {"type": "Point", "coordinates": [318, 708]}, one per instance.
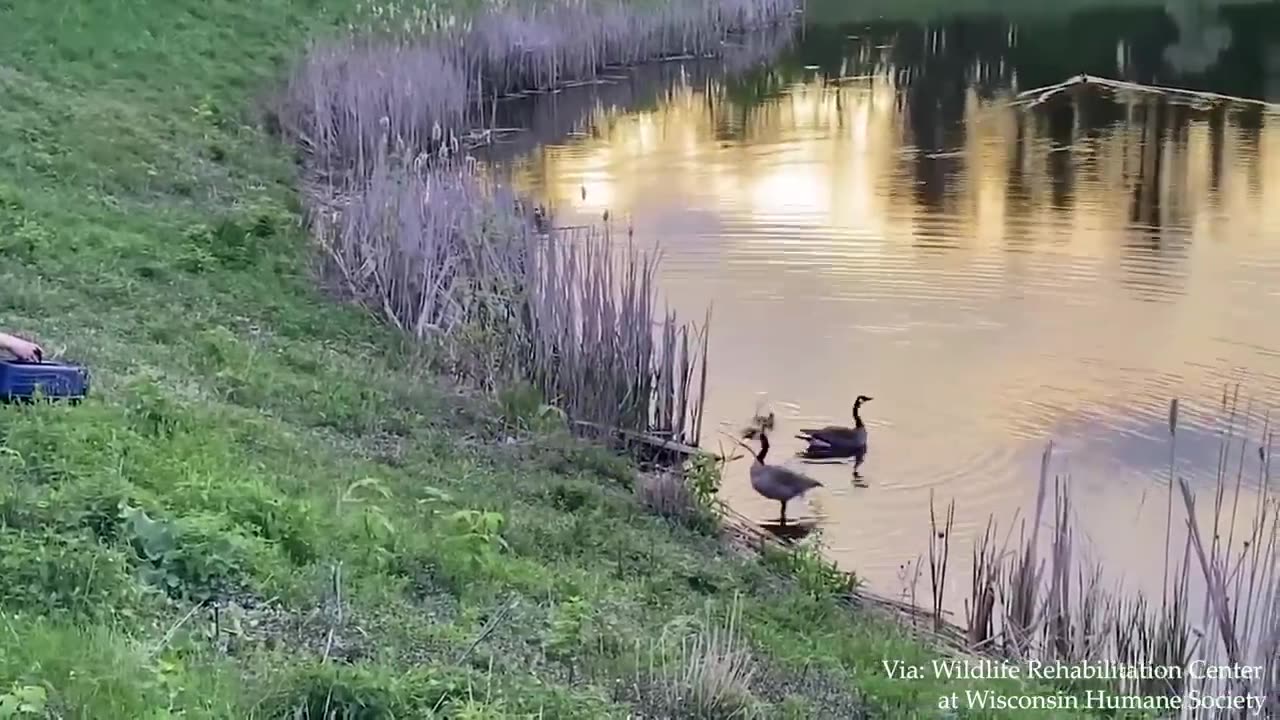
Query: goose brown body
{"type": "Point", "coordinates": [778, 483]}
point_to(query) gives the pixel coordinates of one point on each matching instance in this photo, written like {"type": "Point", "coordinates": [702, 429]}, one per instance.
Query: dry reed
{"type": "Point", "coordinates": [1053, 608]}
{"type": "Point", "coordinates": [939, 556]}
{"type": "Point", "coordinates": [708, 676]}
{"type": "Point", "coordinates": [351, 99]}
{"type": "Point", "coordinates": [668, 495]}
{"type": "Point", "coordinates": [980, 606]}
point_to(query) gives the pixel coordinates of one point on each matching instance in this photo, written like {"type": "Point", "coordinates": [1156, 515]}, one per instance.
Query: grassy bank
{"type": "Point", "coordinates": [271, 508]}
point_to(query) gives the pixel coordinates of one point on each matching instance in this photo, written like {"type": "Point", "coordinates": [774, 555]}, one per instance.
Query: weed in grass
{"type": "Point", "coordinates": [523, 410]}
{"type": "Point", "coordinates": [815, 575]}
{"type": "Point", "coordinates": [703, 473]}
{"type": "Point", "coordinates": [473, 538]}
{"type": "Point", "coordinates": [26, 701]}
{"type": "Point", "coordinates": [566, 633]}
{"type": "Point", "coordinates": [705, 675]}
{"type": "Point", "coordinates": [668, 495]}
{"type": "Point", "coordinates": [690, 497]}
{"type": "Point", "coordinates": [65, 573]}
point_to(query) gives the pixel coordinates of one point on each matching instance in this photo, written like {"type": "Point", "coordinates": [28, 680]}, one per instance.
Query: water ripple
{"type": "Point", "coordinates": [993, 292]}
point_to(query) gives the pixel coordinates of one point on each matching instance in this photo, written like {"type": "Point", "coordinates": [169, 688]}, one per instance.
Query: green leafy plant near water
{"type": "Point", "coordinates": [703, 473]}
{"type": "Point", "coordinates": [815, 575]}
{"type": "Point", "coordinates": [26, 701]}
{"type": "Point", "coordinates": [271, 507]}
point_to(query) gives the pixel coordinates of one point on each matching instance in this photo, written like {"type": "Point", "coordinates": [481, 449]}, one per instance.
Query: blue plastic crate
{"type": "Point", "coordinates": [21, 381]}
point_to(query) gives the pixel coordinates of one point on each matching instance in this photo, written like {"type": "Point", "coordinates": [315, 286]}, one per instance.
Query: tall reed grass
{"type": "Point", "coordinates": [417, 84]}
{"type": "Point", "coordinates": [448, 256]}
{"type": "Point", "coordinates": [543, 118]}
{"type": "Point", "coordinates": [707, 673]}
{"type": "Point", "coordinates": [414, 229]}
{"type": "Point", "coordinates": [1029, 600]}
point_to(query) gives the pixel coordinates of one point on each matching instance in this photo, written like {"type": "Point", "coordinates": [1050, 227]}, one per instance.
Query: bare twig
{"type": "Point", "coordinates": [337, 599]}
{"type": "Point", "coordinates": [488, 629]}
{"type": "Point", "coordinates": [168, 635]}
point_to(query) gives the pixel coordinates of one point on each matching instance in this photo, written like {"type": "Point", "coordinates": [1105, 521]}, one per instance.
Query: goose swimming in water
{"type": "Point", "coordinates": [836, 441]}
{"type": "Point", "coordinates": [776, 482]}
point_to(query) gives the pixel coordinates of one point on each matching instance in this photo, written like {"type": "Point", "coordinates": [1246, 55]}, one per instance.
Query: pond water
{"type": "Point", "coordinates": [872, 214]}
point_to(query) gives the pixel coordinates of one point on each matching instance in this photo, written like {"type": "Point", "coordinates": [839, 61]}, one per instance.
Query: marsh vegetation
{"type": "Point", "coordinates": [1034, 595]}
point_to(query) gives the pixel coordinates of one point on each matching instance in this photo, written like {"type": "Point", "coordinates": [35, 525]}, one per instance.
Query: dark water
{"type": "Point", "coordinates": [874, 214]}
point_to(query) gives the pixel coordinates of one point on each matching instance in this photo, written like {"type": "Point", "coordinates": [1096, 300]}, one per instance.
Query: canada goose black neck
{"type": "Point", "coordinates": [857, 419]}
{"type": "Point", "coordinates": [764, 448]}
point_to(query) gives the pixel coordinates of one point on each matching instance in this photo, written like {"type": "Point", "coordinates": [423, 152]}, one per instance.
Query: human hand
{"type": "Point", "coordinates": [24, 350]}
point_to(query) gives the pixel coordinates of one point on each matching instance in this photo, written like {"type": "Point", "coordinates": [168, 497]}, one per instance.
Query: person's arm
{"type": "Point", "coordinates": [22, 349]}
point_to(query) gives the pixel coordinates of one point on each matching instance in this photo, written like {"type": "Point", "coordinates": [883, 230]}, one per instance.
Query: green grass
{"type": "Point", "coordinates": [370, 543]}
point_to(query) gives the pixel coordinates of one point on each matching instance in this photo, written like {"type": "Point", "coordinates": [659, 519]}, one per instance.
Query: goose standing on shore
{"type": "Point", "coordinates": [776, 482]}
{"type": "Point", "coordinates": [836, 441]}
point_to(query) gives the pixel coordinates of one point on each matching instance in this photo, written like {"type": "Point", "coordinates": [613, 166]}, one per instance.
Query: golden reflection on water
{"type": "Point", "coordinates": [995, 281]}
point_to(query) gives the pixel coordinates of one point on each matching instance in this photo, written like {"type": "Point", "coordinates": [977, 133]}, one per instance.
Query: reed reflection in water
{"type": "Point", "coordinates": [994, 276]}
